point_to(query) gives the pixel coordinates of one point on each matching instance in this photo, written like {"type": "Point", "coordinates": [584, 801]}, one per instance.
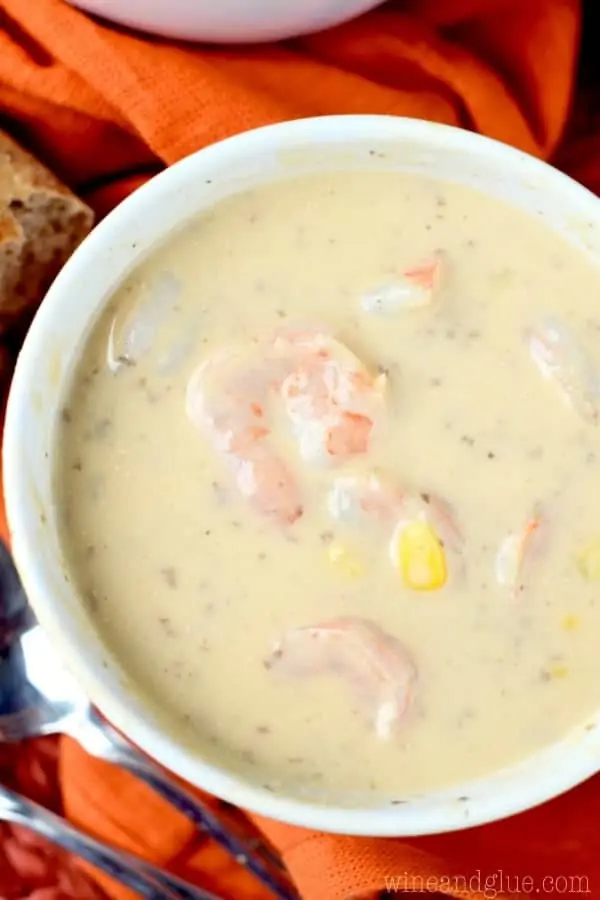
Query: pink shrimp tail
{"type": "Point", "coordinates": [425, 274]}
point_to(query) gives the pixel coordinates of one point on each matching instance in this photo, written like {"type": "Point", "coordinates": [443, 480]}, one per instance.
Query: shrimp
{"type": "Point", "coordinates": [423, 526]}
{"type": "Point", "coordinates": [331, 399]}
{"type": "Point", "coordinates": [416, 287]}
{"type": "Point", "coordinates": [148, 324]}
{"type": "Point", "coordinates": [560, 359]}
{"type": "Point", "coordinates": [353, 496]}
{"type": "Point", "coordinates": [225, 399]}
{"type": "Point", "coordinates": [512, 554]}
{"type": "Point", "coordinates": [377, 664]}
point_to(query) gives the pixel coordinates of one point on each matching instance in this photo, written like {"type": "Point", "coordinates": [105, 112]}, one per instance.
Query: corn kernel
{"type": "Point", "coordinates": [589, 561]}
{"type": "Point", "coordinates": [558, 671]}
{"type": "Point", "coordinates": [421, 557]}
{"type": "Point", "coordinates": [345, 561]}
{"type": "Point", "coordinates": [570, 623]}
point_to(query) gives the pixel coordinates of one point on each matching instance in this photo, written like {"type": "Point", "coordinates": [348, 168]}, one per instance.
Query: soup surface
{"type": "Point", "coordinates": [328, 473]}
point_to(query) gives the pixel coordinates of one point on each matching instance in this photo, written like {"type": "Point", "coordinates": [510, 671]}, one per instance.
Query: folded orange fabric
{"type": "Point", "coordinates": [107, 109]}
{"type": "Point", "coordinates": [30, 867]}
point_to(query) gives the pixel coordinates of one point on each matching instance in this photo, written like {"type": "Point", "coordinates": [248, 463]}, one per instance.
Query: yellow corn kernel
{"type": "Point", "coordinates": [421, 557]}
{"type": "Point", "coordinates": [589, 561]}
{"type": "Point", "coordinates": [570, 623]}
{"type": "Point", "coordinates": [558, 671]}
{"type": "Point", "coordinates": [345, 561]}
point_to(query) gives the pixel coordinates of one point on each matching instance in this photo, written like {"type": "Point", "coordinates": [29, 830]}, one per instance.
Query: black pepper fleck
{"type": "Point", "coordinates": [169, 573]}
{"type": "Point", "coordinates": [102, 428]}
{"type": "Point", "coordinates": [167, 626]}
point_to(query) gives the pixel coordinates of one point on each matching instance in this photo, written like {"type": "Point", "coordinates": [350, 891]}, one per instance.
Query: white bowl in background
{"type": "Point", "coordinates": [228, 21]}
{"type": "Point", "coordinates": [98, 267]}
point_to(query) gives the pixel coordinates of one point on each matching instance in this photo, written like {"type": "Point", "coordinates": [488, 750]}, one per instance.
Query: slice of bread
{"type": "Point", "coordinates": [41, 224]}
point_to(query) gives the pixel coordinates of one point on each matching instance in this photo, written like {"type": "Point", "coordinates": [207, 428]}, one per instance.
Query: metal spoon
{"type": "Point", "coordinates": [39, 697]}
{"type": "Point", "coordinates": [146, 880]}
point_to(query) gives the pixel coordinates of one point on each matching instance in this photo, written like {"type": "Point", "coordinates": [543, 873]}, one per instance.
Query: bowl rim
{"type": "Point", "coordinates": [531, 786]}
{"type": "Point", "coordinates": [193, 25]}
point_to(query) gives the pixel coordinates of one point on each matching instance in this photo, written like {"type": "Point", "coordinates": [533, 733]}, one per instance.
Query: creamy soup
{"type": "Point", "coordinates": [328, 477]}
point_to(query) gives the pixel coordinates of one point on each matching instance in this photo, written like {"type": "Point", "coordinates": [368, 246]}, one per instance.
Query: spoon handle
{"type": "Point", "coordinates": [146, 880]}
{"type": "Point", "coordinates": [101, 740]}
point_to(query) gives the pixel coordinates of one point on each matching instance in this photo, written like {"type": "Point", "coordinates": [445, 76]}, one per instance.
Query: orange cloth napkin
{"type": "Point", "coordinates": [107, 109]}
{"type": "Point", "coordinates": [30, 867]}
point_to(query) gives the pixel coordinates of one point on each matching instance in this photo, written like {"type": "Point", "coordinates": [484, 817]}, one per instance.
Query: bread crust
{"type": "Point", "coordinates": [41, 223]}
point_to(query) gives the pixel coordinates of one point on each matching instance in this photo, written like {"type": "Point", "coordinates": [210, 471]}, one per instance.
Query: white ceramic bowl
{"type": "Point", "coordinates": [228, 21]}
{"type": "Point", "coordinates": [121, 241]}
